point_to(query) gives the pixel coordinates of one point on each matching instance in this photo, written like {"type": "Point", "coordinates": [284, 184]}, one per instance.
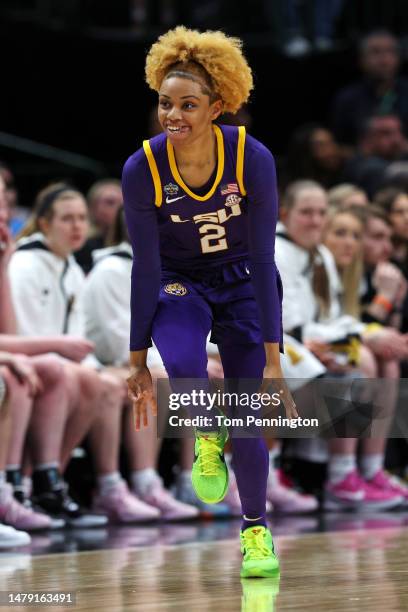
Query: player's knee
{"type": "Point", "coordinates": [186, 364]}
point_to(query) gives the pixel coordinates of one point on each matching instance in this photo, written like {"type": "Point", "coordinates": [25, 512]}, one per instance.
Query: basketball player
{"type": "Point", "coordinates": [201, 208]}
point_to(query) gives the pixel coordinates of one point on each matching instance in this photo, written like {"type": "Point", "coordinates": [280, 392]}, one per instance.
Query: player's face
{"type": "Point", "coordinates": [184, 111]}
{"type": "Point", "coordinates": [399, 216]}
{"type": "Point", "coordinates": [344, 238]}
{"type": "Point", "coordinates": [306, 219]}
{"type": "Point", "coordinates": [67, 229]}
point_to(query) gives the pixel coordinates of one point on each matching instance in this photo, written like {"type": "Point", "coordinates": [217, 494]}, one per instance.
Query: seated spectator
{"type": "Point", "coordinates": [381, 144]}
{"type": "Point", "coordinates": [385, 287]}
{"type": "Point", "coordinates": [104, 201]}
{"type": "Point", "coordinates": [381, 91]}
{"type": "Point", "coordinates": [47, 285]}
{"type": "Point", "coordinates": [344, 237]}
{"type": "Point", "coordinates": [40, 398]}
{"type": "Point", "coordinates": [313, 313]}
{"type": "Point", "coordinates": [313, 153]}
{"type": "Point", "coordinates": [345, 196]}
{"type": "Point", "coordinates": [394, 202]}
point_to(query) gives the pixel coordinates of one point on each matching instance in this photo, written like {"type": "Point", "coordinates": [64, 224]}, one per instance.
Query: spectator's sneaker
{"type": "Point", "coordinates": [257, 548]}
{"type": "Point", "coordinates": [354, 493]}
{"type": "Point", "coordinates": [209, 475]}
{"type": "Point", "coordinates": [387, 482]}
{"type": "Point", "coordinates": [287, 500]}
{"type": "Point", "coordinates": [10, 537]}
{"type": "Point", "coordinates": [15, 478]}
{"type": "Point", "coordinates": [19, 516]}
{"type": "Point", "coordinates": [122, 506]}
{"type": "Point", "coordinates": [50, 493]}
{"type": "Point", "coordinates": [169, 507]}
{"type": "Point", "coordinates": [184, 492]}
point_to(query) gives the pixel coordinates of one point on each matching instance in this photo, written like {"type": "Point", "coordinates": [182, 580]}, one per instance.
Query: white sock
{"type": "Point", "coordinates": [27, 486]}
{"type": "Point", "coordinates": [273, 477]}
{"type": "Point", "coordinates": [12, 466]}
{"type": "Point", "coordinates": [371, 464]}
{"type": "Point", "coordinates": [108, 481]}
{"type": "Point", "coordinates": [184, 477]}
{"type": "Point", "coordinates": [340, 466]}
{"type": "Point", "coordinates": [3, 489]}
{"type": "Point", "coordinates": [142, 480]}
{"type": "Point", "coordinates": [47, 466]}
{"type": "Point", "coordinates": [228, 460]}
{"type": "Point", "coordinates": [274, 453]}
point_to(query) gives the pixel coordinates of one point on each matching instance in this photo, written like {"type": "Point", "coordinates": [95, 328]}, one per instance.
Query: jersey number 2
{"type": "Point", "coordinates": [213, 239]}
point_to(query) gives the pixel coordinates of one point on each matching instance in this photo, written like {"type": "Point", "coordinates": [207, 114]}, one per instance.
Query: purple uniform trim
{"type": "Point", "coordinates": [185, 234]}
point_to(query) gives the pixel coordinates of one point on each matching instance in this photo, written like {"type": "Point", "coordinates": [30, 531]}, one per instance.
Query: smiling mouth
{"type": "Point", "coordinates": [178, 129]}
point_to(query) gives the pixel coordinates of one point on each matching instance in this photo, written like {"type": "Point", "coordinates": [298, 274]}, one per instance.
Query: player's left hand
{"type": "Point", "coordinates": [140, 392]}
{"type": "Point", "coordinates": [273, 377]}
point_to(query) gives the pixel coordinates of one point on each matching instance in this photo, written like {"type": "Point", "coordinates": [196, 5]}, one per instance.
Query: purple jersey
{"type": "Point", "coordinates": [175, 227]}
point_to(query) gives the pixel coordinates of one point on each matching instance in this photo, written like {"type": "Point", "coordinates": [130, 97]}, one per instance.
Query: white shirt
{"type": "Point", "coordinates": [300, 307]}
{"type": "Point", "coordinates": [46, 290]}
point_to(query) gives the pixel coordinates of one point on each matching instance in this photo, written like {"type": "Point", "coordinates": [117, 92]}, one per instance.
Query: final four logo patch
{"type": "Point", "coordinates": [175, 289]}
{"type": "Point", "coordinates": [232, 199]}
{"type": "Point", "coordinates": [170, 189]}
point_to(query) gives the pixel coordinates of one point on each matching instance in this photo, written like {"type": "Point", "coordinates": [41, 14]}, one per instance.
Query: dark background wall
{"type": "Point", "coordinates": [82, 89]}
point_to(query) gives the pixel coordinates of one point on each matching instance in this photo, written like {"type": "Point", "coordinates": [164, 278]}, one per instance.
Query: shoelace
{"type": "Point", "coordinates": [254, 545]}
{"type": "Point", "coordinates": [209, 456]}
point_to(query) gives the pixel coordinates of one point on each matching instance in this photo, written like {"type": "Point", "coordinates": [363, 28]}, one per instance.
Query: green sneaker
{"type": "Point", "coordinates": [259, 555]}
{"type": "Point", "coordinates": [209, 475]}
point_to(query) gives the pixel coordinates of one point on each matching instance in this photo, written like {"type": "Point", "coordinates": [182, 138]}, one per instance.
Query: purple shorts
{"type": "Point", "coordinates": [225, 293]}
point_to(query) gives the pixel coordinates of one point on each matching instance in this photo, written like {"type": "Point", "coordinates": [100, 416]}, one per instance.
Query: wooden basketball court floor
{"type": "Point", "coordinates": [364, 568]}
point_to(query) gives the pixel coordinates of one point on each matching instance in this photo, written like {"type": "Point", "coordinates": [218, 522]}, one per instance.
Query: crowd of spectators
{"type": "Point", "coordinates": [342, 252]}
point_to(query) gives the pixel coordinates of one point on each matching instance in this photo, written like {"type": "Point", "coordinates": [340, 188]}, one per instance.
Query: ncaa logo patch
{"type": "Point", "coordinates": [170, 189]}
{"type": "Point", "coordinates": [232, 199]}
{"type": "Point", "coordinates": [175, 289]}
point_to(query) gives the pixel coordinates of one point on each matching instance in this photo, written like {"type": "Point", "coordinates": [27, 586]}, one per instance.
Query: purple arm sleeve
{"type": "Point", "coordinates": [260, 183]}
{"type": "Point", "coordinates": [141, 219]}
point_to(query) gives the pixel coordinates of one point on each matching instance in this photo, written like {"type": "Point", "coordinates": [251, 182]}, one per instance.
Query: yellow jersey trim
{"type": "Point", "coordinates": [220, 169]}
{"type": "Point", "coordinates": [154, 172]}
{"type": "Point", "coordinates": [240, 159]}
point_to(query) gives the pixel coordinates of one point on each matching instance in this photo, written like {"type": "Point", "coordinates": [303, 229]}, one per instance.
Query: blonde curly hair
{"type": "Point", "coordinates": [216, 59]}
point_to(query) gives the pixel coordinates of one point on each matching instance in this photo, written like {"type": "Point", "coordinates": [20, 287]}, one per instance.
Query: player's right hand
{"type": "Point", "coordinates": [140, 391]}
